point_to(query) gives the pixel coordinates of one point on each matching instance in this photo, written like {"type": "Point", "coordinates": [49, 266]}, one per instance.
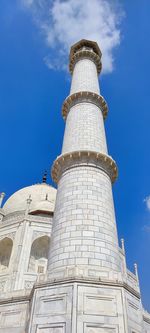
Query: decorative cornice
{"type": "Point", "coordinates": [84, 280]}
{"type": "Point", "coordinates": [84, 96]}
{"type": "Point", "coordinates": [15, 299]}
{"type": "Point", "coordinates": [84, 158]}
{"type": "Point", "coordinates": [90, 54]}
{"type": "Point", "coordinates": [19, 217]}
{"type": "Point", "coordinates": [27, 295]}
{"type": "Point", "coordinates": [15, 216]}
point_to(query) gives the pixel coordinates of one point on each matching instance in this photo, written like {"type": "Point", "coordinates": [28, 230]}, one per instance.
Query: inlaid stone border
{"type": "Point", "coordinates": [84, 158]}
{"type": "Point", "coordinates": [83, 54]}
{"type": "Point", "coordinates": [87, 97]}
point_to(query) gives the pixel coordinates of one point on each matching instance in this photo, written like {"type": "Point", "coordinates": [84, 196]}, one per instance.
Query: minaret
{"type": "Point", "coordinates": [84, 238]}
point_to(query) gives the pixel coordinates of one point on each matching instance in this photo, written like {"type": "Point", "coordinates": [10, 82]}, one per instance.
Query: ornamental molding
{"type": "Point", "coordinates": [81, 97]}
{"type": "Point", "coordinates": [88, 280]}
{"type": "Point", "coordinates": [37, 218]}
{"type": "Point", "coordinates": [24, 297]}
{"type": "Point", "coordinates": [15, 216]}
{"type": "Point", "coordinates": [84, 158]}
{"type": "Point", "coordinates": [85, 54]}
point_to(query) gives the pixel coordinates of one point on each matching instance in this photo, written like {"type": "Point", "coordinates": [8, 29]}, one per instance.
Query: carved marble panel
{"type": "Point", "coordinates": [11, 318]}
{"type": "Point", "coordinates": [13, 315]}
{"type": "Point", "coordinates": [133, 311]}
{"type": "Point", "coordinates": [53, 305]}
{"type": "Point", "coordinates": [99, 305]}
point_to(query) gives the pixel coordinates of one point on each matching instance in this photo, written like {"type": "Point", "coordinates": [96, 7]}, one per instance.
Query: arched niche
{"type": "Point", "coordinates": [39, 255]}
{"type": "Point", "coordinates": [6, 245]}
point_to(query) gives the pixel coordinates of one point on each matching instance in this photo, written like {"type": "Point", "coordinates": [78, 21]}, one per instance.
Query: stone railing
{"type": "Point", "coordinates": [13, 217]}
{"type": "Point", "coordinates": [20, 217]}
{"type": "Point", "coordinates": [132, 280]}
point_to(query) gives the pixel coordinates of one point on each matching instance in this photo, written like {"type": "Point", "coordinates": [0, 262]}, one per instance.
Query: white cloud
{"type": "Point", "coordinates": [64, 22]}
{"type": "Point", "coordinates": [27, 3]}
{"type": "Point", "coordinates": [146, 228]}
{"type": "Point", "coordinates": [147, 202]}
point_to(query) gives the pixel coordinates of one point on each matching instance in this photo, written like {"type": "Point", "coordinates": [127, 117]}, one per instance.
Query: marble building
{"type": "Point", "coordinates": [61, 267]}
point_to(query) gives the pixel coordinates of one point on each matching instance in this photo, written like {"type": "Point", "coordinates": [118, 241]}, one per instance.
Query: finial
{"type": "Point", "coordinates": [2, 195]}
{"type": "Point", "coordinates": [122, 245]}
{"type": "Point", "coordinates": [136, 269]}
{"type": "Point", "coordinates": [136, 272]}
{"type": "Point", "coordinates": [29, 199]}
{"type": "Point", "coordinates": [44, 177]}
{"type": "Point", "coordinates": [137, 275]}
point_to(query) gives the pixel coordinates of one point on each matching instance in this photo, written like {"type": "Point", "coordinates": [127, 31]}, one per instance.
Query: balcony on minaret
{"type": "Point", "coordinates": [85, 49]}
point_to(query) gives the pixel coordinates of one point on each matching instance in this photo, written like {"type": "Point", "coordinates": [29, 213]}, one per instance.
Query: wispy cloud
{"type": "Point", "coordinates": [147, 202]}
{"type": "Point", "coordinates": [64, 22]}
{"type": "Point", "coordinates": [27, 3]}
{"type": "Point", "coordinates": [146, 228]}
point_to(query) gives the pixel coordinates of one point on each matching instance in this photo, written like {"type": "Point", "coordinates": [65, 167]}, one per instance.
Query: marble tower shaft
{"type": "Point", "coordinates": [84, 238]}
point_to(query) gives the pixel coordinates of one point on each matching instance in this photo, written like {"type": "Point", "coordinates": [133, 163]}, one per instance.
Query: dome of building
{"type": "Point", "coordinates": [42, 198]}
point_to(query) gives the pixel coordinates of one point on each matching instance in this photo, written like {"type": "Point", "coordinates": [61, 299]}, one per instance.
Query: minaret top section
{"type": "Point", "coordinates": [85, 49]}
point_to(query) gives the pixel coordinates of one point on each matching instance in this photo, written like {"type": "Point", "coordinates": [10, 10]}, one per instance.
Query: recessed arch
{"type": "Point", "coordinates": [6, 245]}
{"type": "Point", "coordinates": [39, 255]}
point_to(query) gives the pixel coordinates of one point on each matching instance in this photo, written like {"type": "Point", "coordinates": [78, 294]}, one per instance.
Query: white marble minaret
{"type": "Point", "coordinates": [86, 287]}
{"type": "Point", "coordinates": [84, 238]}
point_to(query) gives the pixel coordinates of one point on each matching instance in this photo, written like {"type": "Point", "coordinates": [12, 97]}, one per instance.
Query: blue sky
{"type": "Point", "coordinates": [31, 96]}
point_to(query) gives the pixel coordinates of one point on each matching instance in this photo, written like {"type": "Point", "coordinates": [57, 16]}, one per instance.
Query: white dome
{"type": "Point", "coordinates": [40, 194]}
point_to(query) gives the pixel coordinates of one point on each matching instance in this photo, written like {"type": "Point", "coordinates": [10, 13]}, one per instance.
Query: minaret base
{"type": "Point", "coordinates": [79, 305]}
